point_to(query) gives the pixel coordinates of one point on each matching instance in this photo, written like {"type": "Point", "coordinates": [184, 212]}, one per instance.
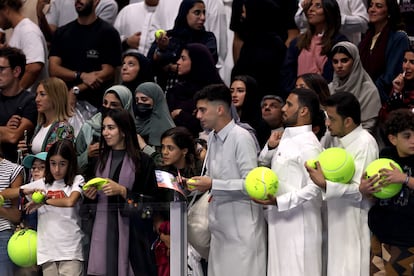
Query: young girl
{"type": "Point", "coordinates": [59, 246]}
{"type": "Point", "coordinates": [121, 241]}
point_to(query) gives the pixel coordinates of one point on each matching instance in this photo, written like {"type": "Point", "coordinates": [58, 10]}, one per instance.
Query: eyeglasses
{"type": "Point", "coordinates": [3, 67]}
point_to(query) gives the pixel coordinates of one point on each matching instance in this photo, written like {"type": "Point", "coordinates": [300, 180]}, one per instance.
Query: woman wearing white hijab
{"type": "Point", "coordinates": [350, 76]}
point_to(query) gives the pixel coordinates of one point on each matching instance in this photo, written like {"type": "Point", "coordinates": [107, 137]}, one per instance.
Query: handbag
{"type": "Point", "coordinates": [198, 234]}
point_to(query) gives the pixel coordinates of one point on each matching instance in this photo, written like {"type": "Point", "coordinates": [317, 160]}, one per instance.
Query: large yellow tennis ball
{"type": "Point", "coordinates": [38, 197]}
{"type": "Point", "coordinates": [22, 247]}
{"type": "Point", "coordinates": [260, 182]}
{"type": "Point", "coordinates": [159, 33]}
{"type": "Point", "coordinates": [374, 167]}
{"type": "Point", "coordinates": [337, 165]}
{"type": "Point", "coordinates": [1, 200]}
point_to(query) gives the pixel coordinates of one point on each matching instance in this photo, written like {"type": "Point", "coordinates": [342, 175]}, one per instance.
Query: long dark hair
{"type": "Point", "coordinates": [66, 149]}
{"type": "Point", "coordinates": [126, 126]}
{"type": "Point", "coordinates": [183, 138]}
{"type": "Point", "coordinates": [333, 24]}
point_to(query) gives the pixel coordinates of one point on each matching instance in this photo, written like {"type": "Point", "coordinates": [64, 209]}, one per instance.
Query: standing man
{"type": "Point", "coordinates": [348, 232]}
{"type": "Point", "coordinates": [61, 12]}
{"type": "Point", "coordinates": [17, 106]}
{"type": "Point", "coordinates": [294, 215]}
{"type": "Point", "coordinates": [137, 32]}
{"type": "Point", "coordinates": [26, 36]}
{"type": "Point", "coordinates": [238, 233]}
{"type": "Point", "coordinates": [85, 53]}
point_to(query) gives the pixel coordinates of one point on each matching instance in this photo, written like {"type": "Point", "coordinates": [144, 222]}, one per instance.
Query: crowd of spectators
{"type": "Point", "coordinates": [208, 90]}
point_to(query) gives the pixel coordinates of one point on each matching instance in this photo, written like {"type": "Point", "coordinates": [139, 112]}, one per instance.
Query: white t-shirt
{"type": "Point", "coordinates": [39, 138]}
{"type": "Point", "coordinates": [59, 235]}
{"type": "Point", "coordinates": [28, 37]}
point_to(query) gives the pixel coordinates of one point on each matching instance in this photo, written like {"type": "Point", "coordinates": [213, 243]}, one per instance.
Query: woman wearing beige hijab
{"type": "Point", "coordinates": [350, 76]}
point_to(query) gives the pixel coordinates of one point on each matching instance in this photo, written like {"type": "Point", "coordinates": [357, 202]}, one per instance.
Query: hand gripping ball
{"type": "Point", "coordinates": [337, 165]}
{"type": "Point", "coordinates": [260, 182]}
{"type": "Point", "coordinates": [158, 33]}
{"type": "Point", "coordinates": [22, 247]}
{"type": "Point", "coordinates": [374, 167]}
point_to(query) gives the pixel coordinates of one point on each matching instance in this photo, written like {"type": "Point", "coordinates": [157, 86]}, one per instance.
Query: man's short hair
{"type": "Point", "coordinates": [214, 92]}
{"type": "Point", "coordinates": [13, 4]}
{"type": "Point", "coordinates": [347, 105]}
{"type": "Point", "coordinates": [16, 58]}
{"type": "Point", "coordinates": [308, 98]}
{"type": "Point", "coordinates": [272, 97]}
{"type": "Point", "coordinates": [399, 120]}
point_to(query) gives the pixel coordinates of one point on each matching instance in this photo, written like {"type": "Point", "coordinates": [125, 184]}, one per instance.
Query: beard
{"type": "Point", "coordinates": [291, 121]}
{"type": "Point", "coordinates": [87, 9]}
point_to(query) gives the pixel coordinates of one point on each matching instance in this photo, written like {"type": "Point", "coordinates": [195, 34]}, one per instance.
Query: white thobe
{"type": "Point", "coordinates": [348, 231]}
{"type": "Point", "coordinates": [128, 23]}
{"type": "Point", "coordinates": [295, 230]}
{"type": "Point", "coordinates": [237, 225]}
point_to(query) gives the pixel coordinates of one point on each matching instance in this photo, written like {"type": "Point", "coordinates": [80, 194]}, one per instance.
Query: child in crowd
{"type": "Point", "coordinates": [59, 235]}
{"type": "Point", "coordinates": [391, 220]}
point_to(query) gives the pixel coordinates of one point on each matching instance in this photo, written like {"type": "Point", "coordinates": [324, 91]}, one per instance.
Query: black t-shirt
{"type": "Point", "coordinates": [392, 220]}
{"type": "Point", "coordinates": [24, 105]}
{"type": "Point", "coordinates": [85, 48]}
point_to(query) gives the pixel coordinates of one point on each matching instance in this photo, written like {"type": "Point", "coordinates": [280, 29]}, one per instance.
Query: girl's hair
{"type": "Point", "coordinates": [126, 125]}
{"type": "Point", "coordinates": [185, 7]}
{"type": "Point", "coordinates": [66, 149]}
{"type": "Point", "coordinates": [394, 16]}
{"type": "Point", "coordinates": [250, 110]}
{"type": "Point", "coordinates": [332, 22]}
{"type": "Point", "coordinates": [57, 92]}
{"type": "Point", "coordinates": [318, 84]}
{"type": "Point", "coordinates": [183, 139]}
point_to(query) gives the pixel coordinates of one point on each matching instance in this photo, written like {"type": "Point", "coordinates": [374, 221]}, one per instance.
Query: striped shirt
{"type": "Point", "coordinates": [8, 173]}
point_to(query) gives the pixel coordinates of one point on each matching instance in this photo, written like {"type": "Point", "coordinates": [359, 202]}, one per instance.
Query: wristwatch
{"type": "Point", "coordinates": [75, 90]}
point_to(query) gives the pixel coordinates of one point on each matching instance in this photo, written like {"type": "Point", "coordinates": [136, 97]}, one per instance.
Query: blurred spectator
{"type": "Point", "coordinates": [196, 69]}
{"type": "Point", "coordinates": [136, 69]}
{"type": "Point", "coordinates": [188, 28]}
{"type": "Point", "coordinates": [85, 53]}
{"type": "Point", "coordinates": [26, 36]}
{"type": "Point", "coordinates": [246, 99]}
{"type": "Point", "coordinates": [383, 45]}
{"type": "Point", "coordinates": [153, 118]}
{"type": "Point", "coordinates": [61, 12]}
{"type": "Point", "coordinates": [11, 176]}
{"type": "Point", "coordinates": [17, 106]}
{"type": "Point", "coordinates": [271, 107]}
{"type": "Point", "coordinates": [137, 32]}
{"type": "Point", "coordinates": [354, 18]}
{"type": "Point", "coordinates": [316, 83]}
{"type": "Point", "coordinates": [309, 53]}
{"type": "Point", "coordinates": [263, 51]}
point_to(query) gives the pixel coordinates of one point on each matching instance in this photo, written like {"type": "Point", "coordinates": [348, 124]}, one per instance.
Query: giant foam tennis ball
{"type": "Point", "coordinates": [159, 33]}
{"type": "Point", "coordinates": [337, 165]}
{"type": "Point", "coordinates": [1, 200]}
{"type": "Point", "coordinates": [22, 247]}
{"type": "Point", "coordinates": [260, 182]}
{"type": "Point", "coordinates": [38, 197]}
{"type": "Point", "coordinates": [374, 167]}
